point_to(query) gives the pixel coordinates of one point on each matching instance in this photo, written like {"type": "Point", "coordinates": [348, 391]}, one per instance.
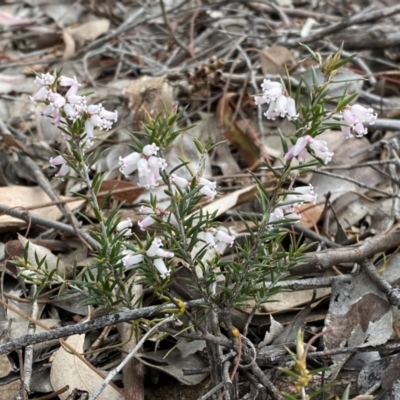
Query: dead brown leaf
{"type": "Point", "coordinates": [120, 190]}
{"type": "Point", "coordinates": [274, 60]}
{"type": "Point", "coordinates": [236, 137]}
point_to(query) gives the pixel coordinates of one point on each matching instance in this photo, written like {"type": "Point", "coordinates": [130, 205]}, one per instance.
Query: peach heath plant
{"type": "Point", "coordinates": [179, 235]}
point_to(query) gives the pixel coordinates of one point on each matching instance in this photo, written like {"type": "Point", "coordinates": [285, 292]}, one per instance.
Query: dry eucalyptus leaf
{"type": "Point", "coordinates": [89, 31]}
{"type": "Point", "coordinates": [68, 370]}
{"type": "Point", "coordinates": [29, 196]}
{"type": "Point", "coordinates": [172, 364]}
{"type": "Point", "coordinates": [274, 59]}
{"type": "Point", "coordinates": [274, 331]}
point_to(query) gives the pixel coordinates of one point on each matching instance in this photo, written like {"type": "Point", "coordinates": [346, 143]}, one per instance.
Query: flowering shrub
{"type": "Point", "coordinates": [181, 230]}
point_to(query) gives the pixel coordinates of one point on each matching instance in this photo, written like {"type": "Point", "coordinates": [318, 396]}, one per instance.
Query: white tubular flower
{"type": "Point", "coordinates": [41, 94]}
{"type": "Point", "coordinates": [163, 253]}
{"type": "Point", "coordinates": [155, 245]}
{"type": "Point", "coordinates": [321, 150]}
{"type": "Point", "coordinates": [304, 194]}
{"type": "Point", "coordinates": [161, 267]}
{"type": "Point", "coordinates": [179, 181]}
{"type": "Point", "coordinates": [67, 81]}
{"type": "Point", "coordinates": [281, 106]}
{"type": "Point", "coordinates": [44, 80]}
{"type": "Point", "coordinates": [132, 259]}
{"type": "Point", "coordinates": [146, 222]}
{"type": "Point", "coordinates": [208, 188]}
{"type": "Point", "coordinates": [125, 226]}
{"type": "Point", "coordinates": [291, 109]}
{"type": "Point", "coordinates": [150, 149]}
{"type": "Point", "coordinates": [56, 99]}
{"type": "Point", "coordinates": [128, 164]}
{"type": "Point", "coordinates": [225, 238]}
{"type": "Point", "coordinates": [209, 238]}
{"type": "Point", "coordinates": [64, 169]}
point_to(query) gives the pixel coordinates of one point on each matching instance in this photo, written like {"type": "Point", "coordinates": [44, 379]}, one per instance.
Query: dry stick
{"type": "Point", "coordinates": [330, 257]}
{"type": "Point", "coordinates": [360, 184]}
{"type": "Point", "coordinates": [47, 223]}
{"type": "Point", "coordinates": [115, 371]}
{"type": "Point", "coordinates": [346, 22]}
{"type": "Point", "coordinates": [28, 362]}
{"type": "Point", "coordinates": [392, 294]}
{"type": "Point", "coordinates": [98, 323]}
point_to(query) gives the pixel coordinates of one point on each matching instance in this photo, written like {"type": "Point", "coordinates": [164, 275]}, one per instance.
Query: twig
{"type": "Point", "coordinates": [47, 223]}
{"type": "Point", "coordinates": [358, 183]}
{"type": "Point", "coordinates": [351, 254]}
{"type": "Point", "coordinates": [28, 362]}
{"type": "Point", "coordinates": [99, 323]}
{"type": "Point", "coordinates": [392, 294]}
{"type": "Point", "coordinates": [115, 371]}
{"type": "Point", "coordinates": [346, 22]}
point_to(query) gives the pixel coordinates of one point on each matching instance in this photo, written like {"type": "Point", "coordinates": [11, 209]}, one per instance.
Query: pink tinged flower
{"type": "Point", "coordinates": [161, 267]}
{"type": "Point", "coordinates": [273, 93]}
{"type": "Point", "coordinates": [224, 237]}
{"type": "Point", "coordinates": [94, 109]}
{"type": "Point", "coordinates": [260, 100]}
{"type": "Point", "coordinates": [130, 260]}
{"type": "Point", "coordinates": [207, 183]}
{"type": "Point", "coordinates": [321, 150]}
{"type": "Point", "coordinates": [209, 238]}
{"type": "Point", "coordinates": [154, 164]}
{"type": "Point", "coordinates": [268, 85]}
{"type": "Point", "coordinates": [63, 170]}
{"type": "Point", "coordinates": [346, 130]}
{"type": "Point", "coordinates": [70, 111]}
{"type": "Point", "coordinates": [363, 114]}
{"type": "Point", "coordinates": [67, 81]}
{"type": "Point", "coordinates": [129, 163]}
{"type": "Point", "coordinates": [209, 193]}
{"type": "Point", "coordinates": [165, 254]}
{"type": "Point", "coordinates": [89, 129]}
{"type": "Point", "coordinates": [125, 225]}
{"type": "Point", "coordinates": [75, 99]}
{"type": "Point", "coordinates": [41, 95]}
{"type": "Point", "coordinates": [72, 91]}
{"type": "Point", "coordinates": [349, 117]}
{"type": "Point", "coordinates": [44, 80]}
{"type": "Point", "coordinates": [360, 129]}
{"type": "Point", "coordinates": [56, 99]}
{"type": "Point", "coordinates": [150, 149]}
{"type": "Point", "coordinates": [306, 194]}
{"type": "Point", "coordinates": [110, 115]}
{"type": "Point", "coordinates": [146, 222]}
{"type": "Point", "coordinates": [281, 106]}
{"type": "Point", "coordinates": [291, 109]}
{"type": "Point", "coordinates": [298, 148]}
{"type": "Point", "coordinates": [179, 181]}
{"type": "Point", "coordinates": [270, 113]}
{"type": "Point", "coordinates": [96, 120]}
{"type": "Point", "coordinates": [57, 161]}
{"type": "Point", "coordinates": [155, 245]}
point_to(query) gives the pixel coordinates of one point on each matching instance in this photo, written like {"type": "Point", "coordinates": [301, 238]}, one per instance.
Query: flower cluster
{"type": "Point", "coordinates": [212, 236]}
{"type": "Point", "coordinates": [71, 105]}
{"type": "Point", "coordinates": [287, 209]}
{"type": "Point", "coordinates": [280, 104]}
{"type": "Point", "coordinates": [319, 148]}
{"type": "Point", "coordinates": [155, 252]}
{"type": "Point", "coordinates": [146, 163]}
{"type": "Point", "coordinates": [125, 227]}
{"type": "Point", "coordinates": [354, 117]}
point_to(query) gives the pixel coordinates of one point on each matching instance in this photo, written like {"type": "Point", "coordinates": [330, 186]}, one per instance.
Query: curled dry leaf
{"type": "Point", "coordinates": [68, 369]}
{"type": "Point", "coordinates": [274, 60]}
{"type": "Point", "coordinates": [235, 135]}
